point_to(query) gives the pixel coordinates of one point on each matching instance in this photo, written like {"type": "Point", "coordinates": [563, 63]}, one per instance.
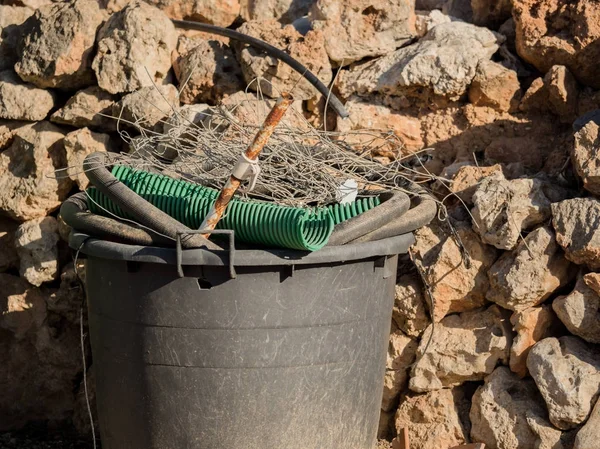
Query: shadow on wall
{"type": "Point", "coordinates": [528, 144]}
{"type": "Point", "coordinates": [40, 353]}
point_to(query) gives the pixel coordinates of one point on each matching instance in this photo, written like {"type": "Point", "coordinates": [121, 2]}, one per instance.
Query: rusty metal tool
{"type": "Point", "coordinates": [247, 165]}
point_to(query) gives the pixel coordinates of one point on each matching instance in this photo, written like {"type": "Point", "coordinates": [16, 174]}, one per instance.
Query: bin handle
{"type": "Point", "coordinates": [230, 236]}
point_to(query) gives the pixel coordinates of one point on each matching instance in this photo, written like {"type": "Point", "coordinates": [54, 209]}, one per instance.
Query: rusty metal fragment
{"type": "Point", "coordinates": [252, 152]}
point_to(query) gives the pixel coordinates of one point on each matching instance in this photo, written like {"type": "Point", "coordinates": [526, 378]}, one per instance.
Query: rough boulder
{"type": "Point", "coordinates": [58, 44]}
{"type": "Point", "coordinates": [29, 187]}
{"type": "Point", "coordinates": [528, 275]}
{"type": "Point", "coordinates": [457, 285]}
{"type": "Point", "coordinates": [567, 373]}
{"type": "Point", "coordinates": [439, 67]}
{"type": "Point", "coordinates": [134, 49]}
{"type": "Point", "coordinates": [356, 29]}
{"type": "Point", "coordinates": [464, 347]}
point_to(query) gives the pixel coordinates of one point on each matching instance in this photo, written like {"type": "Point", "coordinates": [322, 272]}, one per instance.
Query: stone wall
{"type": "Point", "coordinates": [496, 324]}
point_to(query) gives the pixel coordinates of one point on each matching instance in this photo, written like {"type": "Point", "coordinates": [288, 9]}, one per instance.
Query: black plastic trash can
{"type": "Point", "coordinates": [288, 354]}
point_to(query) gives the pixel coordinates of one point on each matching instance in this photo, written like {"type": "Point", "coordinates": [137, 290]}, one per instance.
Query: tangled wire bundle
{"type": "Point", "coordinates": [300, 165]}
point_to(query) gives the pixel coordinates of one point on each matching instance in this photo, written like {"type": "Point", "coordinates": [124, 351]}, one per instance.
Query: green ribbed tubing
{"type": "Point", "coordinates": [252, 221]}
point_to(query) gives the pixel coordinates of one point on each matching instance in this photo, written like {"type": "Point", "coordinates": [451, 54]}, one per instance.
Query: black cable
{"type": "Point", "coordinates": [140, 210]}
{"type": "Point", "coordinates": [74, 211]}
{"type": "Point", "coordinates": [334, 101]}
{"type": "Point", "coordinates": [395, 204]}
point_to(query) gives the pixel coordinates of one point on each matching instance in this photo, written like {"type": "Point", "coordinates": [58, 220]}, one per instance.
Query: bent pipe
{"type": "Point", "coordinates": [418, 216]}
{"type": "Point", "coordinates": [334, 101]}
{"type": "Point", "coordinates": [74, 211]}
{"type": "Point", "coordinates": [394, 205]}
{"type": "Point", "coordinates": [141, 210]}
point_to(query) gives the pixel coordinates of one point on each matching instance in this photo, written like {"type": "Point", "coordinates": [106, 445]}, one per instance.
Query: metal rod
{"type": "Point", "coordinates": [262, 136]}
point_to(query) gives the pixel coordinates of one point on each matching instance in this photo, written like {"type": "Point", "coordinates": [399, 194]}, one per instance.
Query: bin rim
{"type": "Point", "coordinates": [98, 248]}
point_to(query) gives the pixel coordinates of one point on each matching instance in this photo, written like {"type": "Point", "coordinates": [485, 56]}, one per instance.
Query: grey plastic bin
{"type": "Point", "coordinates": [290, 354]}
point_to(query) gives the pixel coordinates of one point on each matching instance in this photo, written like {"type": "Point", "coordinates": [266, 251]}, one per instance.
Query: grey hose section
{"type": "Point", "coordinates": [275, 52]}
{"type": "Point", "coordinates": [74, 211]}
{"type": "Point", "coordinates": [141, 210]}
{"type": "Point", "coordinates": [394, 206]}
{"type": "Point", "coordinates": [415, 218]}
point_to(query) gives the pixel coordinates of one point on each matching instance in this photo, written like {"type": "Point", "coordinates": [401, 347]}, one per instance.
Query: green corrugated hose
{"type": "Point", "coordinates": [252, 221]}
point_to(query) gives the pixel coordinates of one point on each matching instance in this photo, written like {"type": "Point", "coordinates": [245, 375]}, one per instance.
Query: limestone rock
{"type": "Point", "coordinates": [146, 107]}
{"type": "Point", "coordinates": [504, 208]}
{"type": "Point", "coordinates": [357, 29]}
{"type": "Point", "coordinates": [11, 33]}
{"type": "Point", "coordinates": [401, 353]}
{"type": "Point", "coordinates": [467, 178]}
{"type": "Point", "coordinates": [464, 347]}
{"type": "Point", "coordinates": [433, 419]}
{"type": "Point", "coordinates": [33, 4]}
{"type": "Point", "coordinates": [575, 221]}
{"type": "Point", "coordinates": [284, 11]}
{"type": "Point", "coordinates": [580, 310]}
{"type": "Point", "coordinates": [7, 132]}
{"type": "Point", "coordinates": [66, 300]}
{"type": "Point", "coordinates": [38, 352]}
{"type": "Point", "coordinates": [78, 144]}
{"type": "Point", "coordinates": [28, 186]}
{"type": "Point", "coordinates": [410, 311]}
{"type": "Point", "coordinates": [426, 20]}
{"type": "Point", "coordinates": [562, 93]}
{"type": "Point", "coordinates": [134, 49]}
{"type": "Point", "coordinates": [585, 156]}
{"type": "Point", "coordinates": [14, 15]}
{"type": "Point", "coordinates": [592, 280]}
{"type": "Point", "coordinates": [207, 71]}
{"type": "Point", "coordinates": [36, 241]}
{"type": "Point", "coordinates": [567, 374]}
{"type": "Point", "coordinates": [58, 45]}
{"type": "Point", "coordinates": [91, 107]}
{"type": "Point", "coordinates": [370, 117]}
{"type": "Point", "coordinates": [279, 77]}
{"type": "Point", "coordinates": [490, 13]}
{"type": "Point", "coordinates": [500, 409]}
{"type": "Point", "coordinates": [528, 275]}
{"type": "Point", "coordinates": [495, 86]}
{"type": "Point", "coordinates": [455, 287]}
{"type": "Point", "coordinates": [536, 97]}
{"type": "Point", "coordinates": [532, 325]}
{"type": "Point", "coordinates": [560, 33]}
{"type": "Point", "coordinates": [441, 65]}
{"type": "Point", "coordinates": [547, 436]}
{"type": "Point", "coordinates": [23, 306]}
{"type": "Point", "coordinates": [589, 435]}
{"type": "Point", "coordinates": [22, 101]}
{"type": "Point", "coordinates": [8, 252]}
{"type": "Point", "coordinates": [221, 13]}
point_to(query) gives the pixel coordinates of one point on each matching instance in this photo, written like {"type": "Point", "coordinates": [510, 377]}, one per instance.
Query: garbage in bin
{"type": "Point", "coordinates": [269, 331]}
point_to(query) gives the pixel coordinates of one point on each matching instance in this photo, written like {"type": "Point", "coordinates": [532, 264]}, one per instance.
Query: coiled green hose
{"type": "Point", "coordinates": [252, 221]}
